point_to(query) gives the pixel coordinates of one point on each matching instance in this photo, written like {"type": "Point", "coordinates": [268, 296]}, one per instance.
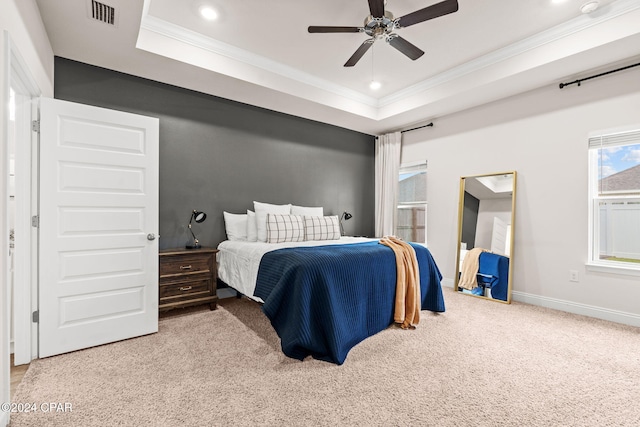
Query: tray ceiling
{"type": "Point", "coordinates": [260, 52]}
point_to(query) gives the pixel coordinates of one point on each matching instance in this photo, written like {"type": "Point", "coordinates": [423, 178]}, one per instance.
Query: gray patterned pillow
{"type": "Point", "coordinates": [321, 227]}
{"type": "Point", "coordinates": [284, 228]}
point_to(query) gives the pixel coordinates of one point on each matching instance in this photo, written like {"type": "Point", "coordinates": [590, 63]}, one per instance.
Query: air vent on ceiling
{"type": "Point", "coordinates": [103, 12]}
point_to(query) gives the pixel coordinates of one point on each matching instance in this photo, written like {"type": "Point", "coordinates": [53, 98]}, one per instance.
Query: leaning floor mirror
{"type": "Point", "coordinates": [486, 221]}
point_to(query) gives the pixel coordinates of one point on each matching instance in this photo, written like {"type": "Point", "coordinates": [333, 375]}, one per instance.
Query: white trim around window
{"type": "Point", "coordinates": [614, 209]}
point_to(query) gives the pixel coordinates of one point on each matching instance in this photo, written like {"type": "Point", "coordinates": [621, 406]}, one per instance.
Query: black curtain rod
{"type": "Point", "coordinates": [419, 127]}
{"type": "Point", "coordinates": [598, 75]}
{"type": "Point", "coordinates": [416, 128]}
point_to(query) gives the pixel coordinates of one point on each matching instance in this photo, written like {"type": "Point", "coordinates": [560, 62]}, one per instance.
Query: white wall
{"type": "Point", "coordinates": [542, 135]}
{"type": "Point", "coordinates": [20, 22]}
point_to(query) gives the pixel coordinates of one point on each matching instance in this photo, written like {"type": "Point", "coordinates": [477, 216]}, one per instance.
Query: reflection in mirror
{"type": "Point", "coordinates": [486, 218]}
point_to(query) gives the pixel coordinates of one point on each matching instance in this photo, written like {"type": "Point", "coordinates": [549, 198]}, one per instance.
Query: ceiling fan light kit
{"type": "Point", "coordinates": [381, 24]}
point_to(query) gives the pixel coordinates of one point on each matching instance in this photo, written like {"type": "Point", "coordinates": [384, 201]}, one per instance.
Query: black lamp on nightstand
{"type": "Point", "coordinates": [198, 217]}
{"type": "Point", "coordinates": [345, 216]}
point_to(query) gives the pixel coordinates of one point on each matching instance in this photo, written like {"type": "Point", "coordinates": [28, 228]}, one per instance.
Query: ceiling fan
{"type": "Point", "coordinates": [380, 24]}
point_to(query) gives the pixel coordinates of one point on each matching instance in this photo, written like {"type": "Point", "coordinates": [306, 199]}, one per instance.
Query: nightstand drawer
{"type": "Point", "coordinates": [172, 279]}
{"type": "Point", "coordinates": [185, 288]}
{"type": "Point", "coordinates": [178, 265]}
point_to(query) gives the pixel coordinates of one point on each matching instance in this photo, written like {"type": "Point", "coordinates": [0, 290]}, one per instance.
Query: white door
{"type": "Point", "coordinates": [98, 274]}
{"type": "Point", "coordinates": [500, 237]}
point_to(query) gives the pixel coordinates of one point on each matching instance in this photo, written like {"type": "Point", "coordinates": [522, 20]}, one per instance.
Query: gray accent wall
{"type": "Point", "coordinates": [219, 155]}
{"type": "Point", "coordinates": [470, 220]}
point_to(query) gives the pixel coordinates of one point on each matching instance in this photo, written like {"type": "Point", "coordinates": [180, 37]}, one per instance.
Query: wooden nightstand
{"type": "Point", "coordinates": [188, 277]}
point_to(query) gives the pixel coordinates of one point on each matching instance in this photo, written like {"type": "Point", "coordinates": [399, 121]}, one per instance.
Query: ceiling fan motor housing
{"type": "Point", "coordinates": [378, 28]}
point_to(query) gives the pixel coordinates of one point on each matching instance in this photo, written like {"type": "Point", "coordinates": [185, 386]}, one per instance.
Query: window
{"type": "Point", "coordinates": [614, 192]}
{"type": "Point", "coordinates": [412, 203]}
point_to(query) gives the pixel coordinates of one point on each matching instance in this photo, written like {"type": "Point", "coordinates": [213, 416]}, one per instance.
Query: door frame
{"type": "Point", "coordinates": [25, 290]}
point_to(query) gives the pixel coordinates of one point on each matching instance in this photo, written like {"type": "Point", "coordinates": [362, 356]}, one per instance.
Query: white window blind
{"type": "Point", "coordinates": [614, 139]}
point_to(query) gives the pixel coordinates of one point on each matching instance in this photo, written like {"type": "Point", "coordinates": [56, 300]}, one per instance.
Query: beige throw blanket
{"type": "Point", "coordinates": [407, 303]}
{"type": "Point", "coordinates": [470, 264]}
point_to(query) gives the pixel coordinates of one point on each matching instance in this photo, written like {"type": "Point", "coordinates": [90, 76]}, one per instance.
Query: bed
{"type": "Point", "coordinates": [324, 297]}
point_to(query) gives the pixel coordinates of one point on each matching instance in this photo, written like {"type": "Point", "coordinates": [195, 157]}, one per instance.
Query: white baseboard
{"type": "Point", "coordinates": [447, 282]}
{"type": "Point", "coordinates": [577, 308]}
{"type": "Point", "coordinates": [570, 307]}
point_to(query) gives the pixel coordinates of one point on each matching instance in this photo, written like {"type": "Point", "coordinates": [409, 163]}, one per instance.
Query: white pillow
{"type": "Point", "coordinates": [252, 232]}
{"type": "Point", "coordinates": [285, 228]}
{"type": "Point", "coordinates": [236, 226]}
{"type": "Point", "coordinates": [322, 227]}
{"type": "Point", "coordinates": [262, 209]}
{"type": "Point", "coordinates": [302, 210]}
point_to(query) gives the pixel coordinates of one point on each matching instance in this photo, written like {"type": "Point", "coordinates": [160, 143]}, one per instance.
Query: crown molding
{"type": "Point", "coordinates": [551, 35]}
{"type": "Point", "coordinates": [195, 39]}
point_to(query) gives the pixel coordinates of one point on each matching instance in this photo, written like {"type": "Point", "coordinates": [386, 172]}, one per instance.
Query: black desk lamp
{"type": "Point", "coordinates": [346, 216]}
{"type": "Point", "coordinates": [198, 217]}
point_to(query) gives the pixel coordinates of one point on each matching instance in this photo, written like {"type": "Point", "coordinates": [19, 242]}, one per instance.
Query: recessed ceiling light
{"type": "Point", "coordinates": [589, 6]}
{"type": "Point", "coordinates": [374, 85]}
{"type": "Point", "coordinates": [208, 13]}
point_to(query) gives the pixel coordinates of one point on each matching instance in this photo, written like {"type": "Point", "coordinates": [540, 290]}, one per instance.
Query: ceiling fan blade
{"type": "Point", "coordinates": [364, 47]}
{"type": "Point", "coordinates": [434, 11]}
{"type": "Point", "coordinates": [411, 50]}
{"type": "Point", "coordinates": [376, 7]}
{"type": "Point", "coordinates": [314, 29]}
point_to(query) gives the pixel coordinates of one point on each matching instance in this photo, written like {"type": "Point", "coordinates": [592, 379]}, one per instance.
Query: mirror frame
{"type": "Point", "coordinates": [511, 238]}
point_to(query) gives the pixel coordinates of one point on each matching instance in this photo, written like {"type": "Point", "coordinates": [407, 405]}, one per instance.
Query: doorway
{"type": "Point", "coordinates": [21, 207]}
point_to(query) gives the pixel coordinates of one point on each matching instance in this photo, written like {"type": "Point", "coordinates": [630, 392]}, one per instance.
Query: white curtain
{"type": "Point", "coordinates": [388, 148]}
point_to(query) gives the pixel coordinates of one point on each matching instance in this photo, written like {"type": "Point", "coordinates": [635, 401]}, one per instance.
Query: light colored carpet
{"type": "Point", "coordinates": [479, 364]}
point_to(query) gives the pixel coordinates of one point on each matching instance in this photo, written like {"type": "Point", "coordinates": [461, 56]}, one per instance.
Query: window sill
{"type": "Point", "coordinates": [614, 268]}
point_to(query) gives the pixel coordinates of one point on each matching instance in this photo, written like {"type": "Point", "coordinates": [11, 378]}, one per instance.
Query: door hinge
{"type": "Point", "coordinates": [35, 316]}
{"type": "Point", "coordinates": [35, 126]}
{"type": "Point", "coordinates": [35, 221]}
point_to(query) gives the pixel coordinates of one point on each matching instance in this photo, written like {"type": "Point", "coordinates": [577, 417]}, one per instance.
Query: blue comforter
{"type": "Point", "coordinates": [324, 300]}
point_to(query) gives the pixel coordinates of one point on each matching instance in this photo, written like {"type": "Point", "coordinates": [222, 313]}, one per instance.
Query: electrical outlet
{"type": "Point", "coordinates": [573, 275]}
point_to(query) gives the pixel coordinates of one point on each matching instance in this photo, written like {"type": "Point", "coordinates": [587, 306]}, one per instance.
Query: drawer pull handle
{"type": "Point", "coordinates": [185, 267]}
{"type": "Point", "coordinates": [186, 288]}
